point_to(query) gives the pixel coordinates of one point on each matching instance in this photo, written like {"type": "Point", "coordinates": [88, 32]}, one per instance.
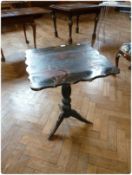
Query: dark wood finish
{"type": "Point", "coordinates": [24, 29]}
{"type": "Point", "coordinates": [21, 12]}
{"type": "Point", "coordinates": [24, 17]}
{"type": "Point", "coordinates": [34, 33]}
{"type": "Point", "coordinates": [66, 110]}
{"type": "Point", "coordinates": [54, 22]}
{"type": "Point", "coordinates": [77, 26]}
{"type": "Point", "coordinates": [70, 23]}
{"type": "Point", "coordinates": [51, 67]}
{"type": "Point", "coordinates": [95, 27]}
{"type": "Point", "coordinates": [15, 4]}
{"type": "Point", "coordinates": [54, 66]}
{"type": "Point", "coordinates": [2, 56]}
{"type": "Point", "coordinates": [75, 9]}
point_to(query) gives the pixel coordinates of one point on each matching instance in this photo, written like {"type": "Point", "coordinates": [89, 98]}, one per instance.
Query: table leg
{"type": "Point", "coordinates": [77, 24]}
{"type": "Point", "coordinates": [2, 56]}
{"type": "Point", "coordinates": [34, 32]}
{"type": "Point", "coordinates": [66, 109]}
{"type": "Point", "coordinates": [59, 121]}
{"type": "Point", "coordinates": [70, 23]}
{"type": "Point", "coordinates": [54, 23]}
{"type": "Point", "coordinates": [24, 29]}
{"type": "Point", "coordinates": [95, 27]}
{"type": "Point", "coordinates": [118, 55]}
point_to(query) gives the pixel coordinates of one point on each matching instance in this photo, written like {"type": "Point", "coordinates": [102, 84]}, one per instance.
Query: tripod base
{"type": "Point", "coordinates": [66, 110]}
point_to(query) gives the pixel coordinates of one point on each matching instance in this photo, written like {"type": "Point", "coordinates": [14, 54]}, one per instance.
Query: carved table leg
{"type": "Point", "coordinates": [2, 56]}
{"type": "Point", "coordinates": [95, 27]}
{"type": "Point", "coordinates": [34, 32]}
{"type": "Point", "coordinates": [66, 109]}
{"type": "Point", "coordinates": [24, 29]}
{"type": "Point", "coordinates": [54, 22]}
{"type": "Point", "coordinates": [117, 59]}
{"type": "Point", "coordinates": [77, 24]}
{"type": "Point", "coordinates": [70, 23]}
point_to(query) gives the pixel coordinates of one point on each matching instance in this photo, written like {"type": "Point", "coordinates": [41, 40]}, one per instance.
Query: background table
{"type": "Point", "coordinates": [22, 16]}
{"type": "Point", "coordinates": [71, 10]}
{"type": "Point", "coordinates": [51, 67]}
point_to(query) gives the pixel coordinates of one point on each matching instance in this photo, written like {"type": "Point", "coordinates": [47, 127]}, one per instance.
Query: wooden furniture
{"type": "Point", "coordinates": [55, 66]}
{"type": "Point", "coordinates": [23, 17]}
{"type": "Point", "coordinates": [125, 52]}
{"type": "Point", "coordinates": [47, 4]}
{"type": "Point", "coordinates": [2, 56]}
{"type": "Point", "coordinates": [71, 10]}
{"type": "Point", "coordinates": [15, 4]}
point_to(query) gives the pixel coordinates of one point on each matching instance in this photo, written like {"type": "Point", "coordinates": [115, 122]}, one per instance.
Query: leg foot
{"type": "Point", "coordinates": [2, 56]}
{"type": "Point", "coordinates": [76, 115]}
{"type": "Point", "coordinates": [117, 59]}
{"type": "Point", "coordinates": [95, 27]}
{"type": "Point", "coordinates": [77, 25]}
{"type": "Point", "coordinates": [56, 34]}
{"type": "Point", "coordinates": [54, 23]}
{"type": "Point", "coordinates": [70, 41]}
{"type": "Point", "coordinates": [70, 23]}
{"type": "Point", "coordinates": [60, 119]}
{"type": "Point", "coordinates": [34, 33]}
{"type": "Point", "coordinates": [24, 29]}
{"type": "Point", "coordinates": [93, 39]}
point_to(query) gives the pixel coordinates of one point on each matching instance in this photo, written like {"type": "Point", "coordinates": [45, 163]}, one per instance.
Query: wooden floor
{"type": "Point", "coordinates": [28, 116]}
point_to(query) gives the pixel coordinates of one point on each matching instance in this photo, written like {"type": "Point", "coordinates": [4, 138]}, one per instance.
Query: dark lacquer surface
{"type": "Point", "coordinates": [21, 12]}
{"type": "Point", "coordinates": [55, 66]}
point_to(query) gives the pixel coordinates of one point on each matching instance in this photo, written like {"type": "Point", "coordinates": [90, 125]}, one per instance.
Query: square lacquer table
{"type": "Point", "coordinates": [64, 66]}
{"type": "Point", "coordinates": [75, 9]}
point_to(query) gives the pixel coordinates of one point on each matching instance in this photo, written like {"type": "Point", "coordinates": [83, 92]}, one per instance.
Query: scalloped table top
{"type": "Point", "coordinates": [66, 64]}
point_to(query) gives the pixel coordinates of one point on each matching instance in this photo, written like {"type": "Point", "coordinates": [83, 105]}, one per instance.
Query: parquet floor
{"type": "Point", "coordinates": [28, 116]}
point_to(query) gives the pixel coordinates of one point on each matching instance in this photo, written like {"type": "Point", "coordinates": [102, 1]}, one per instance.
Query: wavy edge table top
{"type": "Point", "coordinates": [55, 66]}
